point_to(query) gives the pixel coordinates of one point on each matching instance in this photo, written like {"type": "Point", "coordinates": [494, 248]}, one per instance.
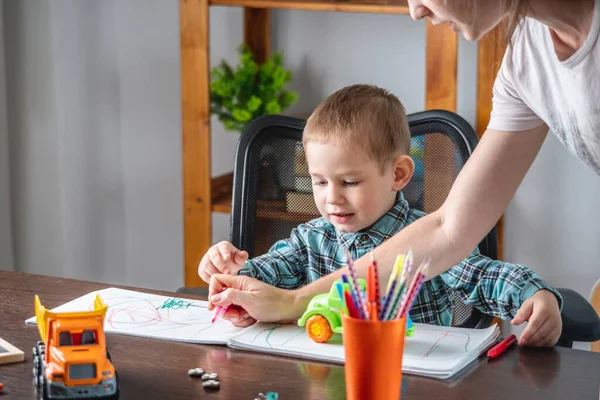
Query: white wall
{"type": "Point", "coordinates": [95, 139]}
{"type": "Point", "coordinates": [6, 252]}
{"type": "Point", "coordinates": [553, 223]}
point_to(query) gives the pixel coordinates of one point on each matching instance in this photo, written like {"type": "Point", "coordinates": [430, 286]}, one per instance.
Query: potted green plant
{"type": "Point", "coordinates": [240, 94]}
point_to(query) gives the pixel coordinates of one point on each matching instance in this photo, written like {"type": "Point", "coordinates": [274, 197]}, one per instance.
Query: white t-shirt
{"type": "Point", "coordinates": [534, 87]}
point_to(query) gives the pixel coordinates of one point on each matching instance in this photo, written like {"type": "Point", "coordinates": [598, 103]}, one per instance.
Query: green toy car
{"type": "Point", "coordinates": [323, 318]}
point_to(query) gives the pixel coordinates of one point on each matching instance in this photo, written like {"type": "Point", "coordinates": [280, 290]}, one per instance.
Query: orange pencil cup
{"type": "Point", "coordinates": [374, 351]}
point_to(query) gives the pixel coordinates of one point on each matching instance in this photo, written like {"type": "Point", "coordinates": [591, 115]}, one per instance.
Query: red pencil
{"type": "Point", "coordinates": [352, 310]}
{"type": "Point", "coordinates": [370, 284]}
{"type": "Point", "coordinates": [501, 347]}
{"type": "Point", "coordinates": [376, 277]}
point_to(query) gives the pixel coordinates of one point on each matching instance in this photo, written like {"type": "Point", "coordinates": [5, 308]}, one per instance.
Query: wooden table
{"type": "Point", "coordinates": [154, 369]}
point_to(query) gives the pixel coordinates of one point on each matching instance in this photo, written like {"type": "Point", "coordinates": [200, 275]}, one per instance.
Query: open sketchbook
{"type": "Point", "coordinates": [440, 352]}
{"type": "Point", "coordinates": [152, 316]}
{"type": "Point", "coordinates": [435, 351]}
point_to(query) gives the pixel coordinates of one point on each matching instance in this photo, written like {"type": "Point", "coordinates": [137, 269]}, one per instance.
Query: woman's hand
{"type": "Point", "coordinates": [254, 300]}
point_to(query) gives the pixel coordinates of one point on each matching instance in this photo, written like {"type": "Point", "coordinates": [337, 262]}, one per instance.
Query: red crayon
{"type": "Point", "coordinates": [501, 347]}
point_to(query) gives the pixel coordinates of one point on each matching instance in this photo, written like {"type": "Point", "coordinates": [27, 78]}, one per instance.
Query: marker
{"type": "Point", "coordinates": [501, 347]}
{"type": "Point", "coordinates": [219, 311]}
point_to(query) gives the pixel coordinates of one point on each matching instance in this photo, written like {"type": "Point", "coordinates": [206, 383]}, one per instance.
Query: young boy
{"type": "Point", "coordinates": [357, 144]}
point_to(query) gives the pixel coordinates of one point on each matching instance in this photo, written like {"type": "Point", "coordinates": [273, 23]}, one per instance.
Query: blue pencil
{"type": "Point", "coordinates": [340, 290]}
{"type": "Point", "coordinates": [388, 300]}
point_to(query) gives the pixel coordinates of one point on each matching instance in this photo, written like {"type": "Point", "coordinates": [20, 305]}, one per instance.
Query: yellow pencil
{"type": "Point", "coordinates": [396, 271]}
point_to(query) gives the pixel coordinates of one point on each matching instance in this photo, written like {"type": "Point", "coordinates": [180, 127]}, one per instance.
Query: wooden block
{"type": "Point", "coordinates": [9, 353]}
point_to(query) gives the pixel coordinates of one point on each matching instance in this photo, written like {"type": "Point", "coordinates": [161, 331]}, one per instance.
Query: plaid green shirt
{"type": "Point", "coordinates": [314, 249]}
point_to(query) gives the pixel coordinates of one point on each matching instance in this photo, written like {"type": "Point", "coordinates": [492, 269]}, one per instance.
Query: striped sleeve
{"type": "Point", "coordinates": [285, 264]}
{"type": "Point", "coordinates": [494, 287]}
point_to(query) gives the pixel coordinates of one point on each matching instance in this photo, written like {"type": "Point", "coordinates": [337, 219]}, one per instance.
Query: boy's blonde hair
{"type": "Point", "coordinates": [363, 116]}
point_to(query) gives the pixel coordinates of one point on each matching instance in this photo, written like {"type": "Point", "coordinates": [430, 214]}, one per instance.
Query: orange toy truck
{"type": "Point", "coordinates": [71, 361]}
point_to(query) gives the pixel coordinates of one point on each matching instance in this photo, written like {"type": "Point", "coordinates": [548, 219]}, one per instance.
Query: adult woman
{"type": "Point", "coordinates": [549, 80]}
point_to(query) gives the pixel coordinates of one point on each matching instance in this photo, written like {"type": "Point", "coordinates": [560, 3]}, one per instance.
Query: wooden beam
{"type": "Point", "coordinates": [489, 58]}
{"type": "Point", "coordinates": [442, 66]}
{"type": "Point", "coordinates": [257, 32]}
{"type": "Point", "coordinates": [490, 53]}
{"type": "Point", "coordinates": [440, 93]}
{"type": "Point", "coordinates": [195, 100]}
{"type": "Point", "coordinates": [387, 7]}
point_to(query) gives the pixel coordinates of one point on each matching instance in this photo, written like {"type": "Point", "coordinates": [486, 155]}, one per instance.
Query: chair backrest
{"type": "Point", "coordinates": [272, 189]}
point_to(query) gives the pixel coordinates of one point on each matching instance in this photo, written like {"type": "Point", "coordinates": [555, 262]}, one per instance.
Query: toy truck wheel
{"type": "Point", "coordinates": [36, 368]}
{"type": "Point", "coordinates": [43, 391]}
{"type": "Point", "coordinates": [318, 329]}
{"type": "Point", "coordinates": [116, 395]}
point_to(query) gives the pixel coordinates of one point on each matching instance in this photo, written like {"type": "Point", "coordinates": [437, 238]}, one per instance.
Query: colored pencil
{"type": "Point", "coordinates": [353, 295]}
{"type": "Point", "coordinates": [402, 286]}
{"type": "Point", "coordinates": [352, 310]}
{"type": "Point", "coordinates": [377, 294]}
{"type": "Point", "coordinates": [340, 289]}
{"type": "Point", "coordinates": [413, 290]}
{"type": "Point", "coordinates": [361, 303]}
{"type": "Point", "coordinates": [388, 300]}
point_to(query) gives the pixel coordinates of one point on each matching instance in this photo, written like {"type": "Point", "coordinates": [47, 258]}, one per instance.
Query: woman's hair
{"type": "Point", "coordinates": [517, 10]}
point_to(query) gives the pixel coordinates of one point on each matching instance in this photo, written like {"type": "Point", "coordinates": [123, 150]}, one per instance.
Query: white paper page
{"type": "Point", "coordinates": [149, 315]}
{"type": "Point", "coordinates": [433, 350]}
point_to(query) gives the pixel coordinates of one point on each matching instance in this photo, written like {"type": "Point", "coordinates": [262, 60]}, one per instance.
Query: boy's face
{"type": "Point", "coordinates": [350, 190]}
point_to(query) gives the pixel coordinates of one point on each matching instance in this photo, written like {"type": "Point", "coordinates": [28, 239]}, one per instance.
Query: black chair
{"type": "Point", "coordinates": [270, 197]}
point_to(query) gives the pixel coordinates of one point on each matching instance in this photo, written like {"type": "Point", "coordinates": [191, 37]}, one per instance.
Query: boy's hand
{"type": "Point", "coordinates": [222, 258]}
{"type": "Point", "coordinates": [545, 324]}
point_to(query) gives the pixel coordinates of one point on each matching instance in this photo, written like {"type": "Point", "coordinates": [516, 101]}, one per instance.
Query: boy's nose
{"type": "Point", "coordinates": [334, 195]}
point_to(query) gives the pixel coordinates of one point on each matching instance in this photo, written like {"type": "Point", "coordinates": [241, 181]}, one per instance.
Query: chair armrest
{"type": "Point", "coordinates": [580, 321]}
{"type": "Point", "coordinates": [198, 291]}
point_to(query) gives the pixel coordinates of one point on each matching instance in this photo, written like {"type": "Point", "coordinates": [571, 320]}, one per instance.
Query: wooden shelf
{"type": "Point", "coordinates": [221, 188]}
{"type": "Point", "coordinates": [381, 7]}
{"type": "Point", "coordinates": [221, 204]}
{"type": "Point", "coordinates": [276, 210]}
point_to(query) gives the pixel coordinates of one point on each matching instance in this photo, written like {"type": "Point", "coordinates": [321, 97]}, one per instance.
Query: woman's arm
{"type": "Point", "coordinates": [477, 200]}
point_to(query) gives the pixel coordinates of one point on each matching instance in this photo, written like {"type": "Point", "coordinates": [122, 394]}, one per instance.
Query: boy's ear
{"type": "Point", "coordinates": [404, 168]}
